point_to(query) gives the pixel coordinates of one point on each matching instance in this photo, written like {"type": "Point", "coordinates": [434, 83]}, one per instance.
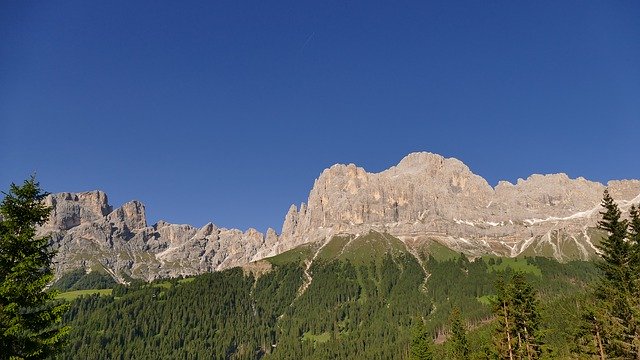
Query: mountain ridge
{"type": "Point", "coordinates": [425, 197]}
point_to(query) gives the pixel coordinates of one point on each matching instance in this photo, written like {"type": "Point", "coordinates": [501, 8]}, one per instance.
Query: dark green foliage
{"type": "Point", "coordinates": [81, 280]}
{"type": "Point", "coordinates": [66, 281]}
{"type": "Point", "coordinates": [346, 312]}
{"type": "Point", "coordinates": [589, 335]}
{"type": "Point", "coordinates": [471, 281]}
{"type": "Point", "coordinates": [634, 239]}
{"type": "Point", "coordinates": [517, 335]}
{"type": "Point", "coordinates": [458, 343]}
{"type": "Point", "coordinates": [616, 252]}
{"type": "Point", "coordinates": [29, 315]}
{"type": "Point", "coordinates": [615, 318]}
{"type": "Point", "coordinates": [213, 316]}
{"type": "Point", "coordinates": [366, 309]}
{"type": "Point", "coordinates": [634, 236]}
{"type": "Point", "coordinates": [351, 310]}
{"type": "Point", "coordinates": [475, 281]}
{"type": "Point", "coordinates": [420, 343]}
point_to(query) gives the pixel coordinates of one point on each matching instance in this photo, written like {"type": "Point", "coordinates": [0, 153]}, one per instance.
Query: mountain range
{"type": "Point", "coordinates": [426, 199]}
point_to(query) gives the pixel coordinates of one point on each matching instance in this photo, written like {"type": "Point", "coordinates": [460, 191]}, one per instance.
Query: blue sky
{"type": "Point", "coordinates": [226, 111]}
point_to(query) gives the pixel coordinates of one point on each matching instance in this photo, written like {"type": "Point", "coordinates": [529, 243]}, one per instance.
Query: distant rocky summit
{"type": "Point", "coordinates": [425, 198]}
{"type": "Point", "coordinates": [89, 234]}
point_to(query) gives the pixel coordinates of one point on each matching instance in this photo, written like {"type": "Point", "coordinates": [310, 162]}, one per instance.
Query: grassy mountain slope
{"type": "Point", "coordinates": [353, 297]}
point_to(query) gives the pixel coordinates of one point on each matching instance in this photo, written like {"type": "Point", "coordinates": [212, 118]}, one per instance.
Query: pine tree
{"type": "Point", "coordinates": [503, 309]}
{"type": "Point", "coordinates": [29, 315]}
{"type": "Point", "coordinates": [617, 291]}
{"type": "Point", "coordinates": [615, 251]}
{"type": "Point", "coordinates": [590, 334]}
{"type": "Point", "coordinates": [634, 241]}
{"type": "Point", "coordinates": [420, 343]}
{"type": "Point", "coordinates": [517, 334]}
{"type": "Point", "coordinates": [527, 318]}
{"type": "Point", "coordinates": [459, 344]}
{"type": "Point", "coordinates": [634, 236]}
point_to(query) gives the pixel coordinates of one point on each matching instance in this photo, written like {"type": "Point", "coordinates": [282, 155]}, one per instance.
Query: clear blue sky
{"type": "Point", "coordinates": [226, 111]}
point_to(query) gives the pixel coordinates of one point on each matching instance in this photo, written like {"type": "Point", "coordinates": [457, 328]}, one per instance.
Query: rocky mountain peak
{"type": "Point", "coordinates": [427, 196]}
{"type": "Point", "coordinates": [73, 209]}
{"type": "Point", "coordinates": [424, 198]}
{"type": "Point", "coordinates": [421, 161]}
{"type": "Point", "coordinates": [88, 234]}
{"type": "Point", "coordinates": [131, 214]}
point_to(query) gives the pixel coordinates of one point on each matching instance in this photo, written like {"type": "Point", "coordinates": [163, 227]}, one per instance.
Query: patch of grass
{"type": "Point", "coordinates": [164, 284]}
{"type": "Point", "coordinates": [441, 252]}
{"type": "Point", "coordinates": [516, 264]}
{"type": "Point", "coordinates": [569, 248]}
{"type": "Point", "coordinates": [371, 247]}
{"type": "Point", "coordinates": [186, 280]}
{"type": "Point", "coordinates": [296, 255]}
{"type": "Point", "coordinates": [321, 338]}
{"type": "Point", "coordinates": [595, 235]}
{"type": "Point", "coordinates": [537, 249]}
{"type": "Point", "coordinates": [486, 299]}
{"type": "Point", "coordinates": [334, 247]}
{"type": "Point", "coordinates": [72, 295]}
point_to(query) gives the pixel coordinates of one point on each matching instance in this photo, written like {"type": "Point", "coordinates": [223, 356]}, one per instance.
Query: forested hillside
{"type": "Point", "coordinates": [356, 304]}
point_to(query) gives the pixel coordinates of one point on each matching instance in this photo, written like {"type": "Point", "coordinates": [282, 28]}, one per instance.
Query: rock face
{"type": "Point", "coordinates": [429, 197]}
{"type": "Point", "coordinates": [425, 198]}
{"type": "Point", "coordinates": [88, 233]}
{"type": "Point", "coordinates": [71, 210]}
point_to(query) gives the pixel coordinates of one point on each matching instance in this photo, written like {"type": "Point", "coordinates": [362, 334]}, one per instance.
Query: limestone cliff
{"type": "Point", "coordinates": [88, 233]}
{"type": "Point", "coordinates": [429, 197]}
{"type": "Point", "coordinates": [425, 198]}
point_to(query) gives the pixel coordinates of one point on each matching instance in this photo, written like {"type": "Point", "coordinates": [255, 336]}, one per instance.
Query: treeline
{"type": "Point", "coordinates": [600, 322]}
{"type": "Point", "coordinates": [79, 279]}
{"type": "Point", "coordinates": [218, 315]}
{"type": "Point", "coordinates": [610, 326]}
{"type": "Point", "coordinates": [348, 311]}
{"type": "Point", "coordinates": [488, 308]}
{"type": "Point", "coordinates": [463, 284]}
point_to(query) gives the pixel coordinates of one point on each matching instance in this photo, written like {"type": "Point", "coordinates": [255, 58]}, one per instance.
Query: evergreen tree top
{"type": "Point", "coordinates": [29, 315]}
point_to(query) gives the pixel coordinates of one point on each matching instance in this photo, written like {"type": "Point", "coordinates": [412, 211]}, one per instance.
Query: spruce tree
{"type": "Point", "coordinates": [526, 318]}
{"type": "Point", "coordinates": [617, 291]}
{"type": "Point", "coordinates": [634, 236]}
{"type": "Point", "coordinates": [29, 315]}
{"type": "Point", "coordinates": [590, 335]}
{"type": "Point", "coordinates": [504, 338]}
{"type": "Point", "coordinates": [634, 241]}
{"type": "Point", "coordinates": [420, 343]}
{"type": "Point", "coordinates": [615, 250]}
{"type": "Point", "coordinates": [517, 334]}
{"type": "Point", "coordinates": [458, 342]}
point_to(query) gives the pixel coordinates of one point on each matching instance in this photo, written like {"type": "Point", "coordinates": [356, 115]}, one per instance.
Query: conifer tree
{"type": "Point", "coordinates": [420, 343]}
{"type": "Point", "coordinates": [634, 236]}
{"type": "Point", "coordinates": [590, 334]}
{"type": "Point", "coordinates": [29, 315]}
{"type": "Point", "coordinates": [634, 240]}
{"type": "Point", "coordinates": [503, 309]}
{"type": "Point", "coordinates": [459, 344]}
{"type": "Point", "coordinates": [517, 335]}
{"type": "Point", "coordinates": [615, 251]}
{"type": "Point", "coordinates": [617, 291]}
{"type": "Point", "coordinates": [527, 318]}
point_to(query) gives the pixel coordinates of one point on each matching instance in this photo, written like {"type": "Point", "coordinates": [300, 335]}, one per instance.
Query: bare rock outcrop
{"type": "Point", "coordinates": [429, 197]}
{"type": "Point", "coordinates": [424, 198]}
{"type": "Point", "coordinates": [88, 233]}
{"type": "Point", "coordinates": [72, 209]}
